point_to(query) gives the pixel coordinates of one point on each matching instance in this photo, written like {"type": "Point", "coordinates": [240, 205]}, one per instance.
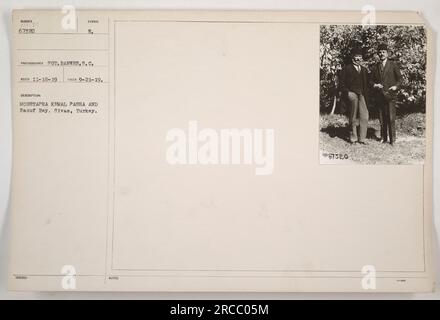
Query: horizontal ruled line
{"type": "Point", "coordinates": [67, 66]}
{"type": "Point", "coordinates": [58, 49]}
{"type": "Point", "coordinates": [62, 82]}
{"type": "Point", "coordinates": [62, 33]}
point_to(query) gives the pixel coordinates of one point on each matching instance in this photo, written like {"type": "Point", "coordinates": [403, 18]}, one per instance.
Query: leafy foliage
{"type": "Point", "coordinates": [407, 47]}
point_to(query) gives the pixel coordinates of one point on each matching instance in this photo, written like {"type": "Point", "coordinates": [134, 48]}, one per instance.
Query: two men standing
{"type": "Point", "coordinates": [384, 80]}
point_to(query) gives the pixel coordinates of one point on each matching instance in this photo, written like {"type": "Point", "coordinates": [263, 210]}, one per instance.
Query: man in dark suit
{"type": "Point", "coordinates": [354, 86]}
{"type": "Point", "coordinates": [386, 79]}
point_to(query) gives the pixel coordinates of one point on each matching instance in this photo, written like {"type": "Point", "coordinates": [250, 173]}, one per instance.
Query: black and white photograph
{"type": "Point", "coordinates": [372, 94]}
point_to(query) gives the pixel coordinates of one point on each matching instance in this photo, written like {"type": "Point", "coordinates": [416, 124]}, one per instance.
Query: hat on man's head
{"type": "Point", "coordinates": [382, 46]}
{"type": "Point", "coordinates": [356, 51]}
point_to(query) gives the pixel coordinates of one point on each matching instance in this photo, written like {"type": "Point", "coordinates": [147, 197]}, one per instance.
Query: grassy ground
{"type": "Point", "coordinates": [408, 149]}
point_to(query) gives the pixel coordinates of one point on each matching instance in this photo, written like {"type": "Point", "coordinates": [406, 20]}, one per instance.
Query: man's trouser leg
{"type": "Point", "coordinates": [379, 107]}
{"type": "Point", "coordinates": [392, 120]}
{"type": "Point", "coordinates": [383, 111]}
{"type": "Point", "coordinates": [354, 105]}
{"type": "Point", "coordinates": [363, 118]}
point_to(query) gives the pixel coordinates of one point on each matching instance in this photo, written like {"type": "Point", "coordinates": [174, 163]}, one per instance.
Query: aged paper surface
{"type": "Point", "coordinates": [101, 201]}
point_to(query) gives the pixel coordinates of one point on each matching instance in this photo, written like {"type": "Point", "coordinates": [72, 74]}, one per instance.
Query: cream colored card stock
{"type": "Point", "coordinates": [180, 151]}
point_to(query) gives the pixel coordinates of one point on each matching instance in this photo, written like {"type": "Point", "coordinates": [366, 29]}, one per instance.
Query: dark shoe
{"type": "Point", "coordinates": [363, 142]}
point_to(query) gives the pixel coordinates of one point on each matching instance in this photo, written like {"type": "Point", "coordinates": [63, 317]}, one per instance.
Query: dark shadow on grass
{"type": "Point", "coordinates": [373, 134]}
{"type": "Point", "coordinates": [344, 132]}
{"type": "Point", "coordinates": [337, 132]}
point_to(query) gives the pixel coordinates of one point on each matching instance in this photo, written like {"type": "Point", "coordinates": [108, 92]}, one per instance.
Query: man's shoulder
{"type": "Point", "coordinates": [393, 63]}
{"type": "Point", "coordinates": [347, 68]}
{"type": "Point", "coordinates": [376, 65]}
